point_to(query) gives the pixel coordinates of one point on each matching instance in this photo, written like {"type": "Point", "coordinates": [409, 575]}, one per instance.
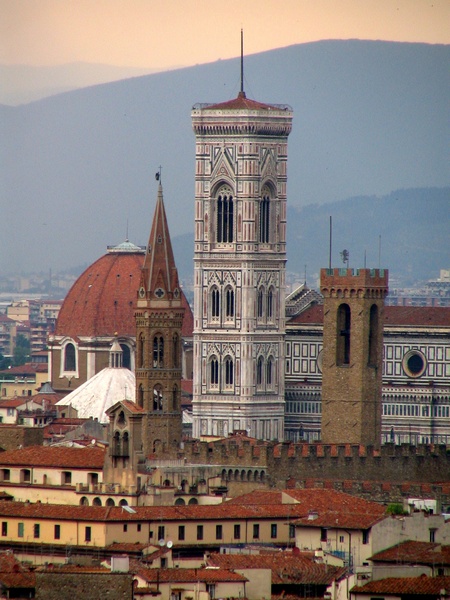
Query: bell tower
{"type": "Point", "coordinates": [239, 267]}
{"type": "Point", "coordinates": [159, 318]}
{"type": "Point", "coordinates": [353, 310]}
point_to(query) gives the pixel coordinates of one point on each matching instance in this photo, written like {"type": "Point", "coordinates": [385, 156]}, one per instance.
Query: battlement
{"type": "Point", "coordinates": [351, 282]}
{"type": "Point", "coordinates": [423, 464]}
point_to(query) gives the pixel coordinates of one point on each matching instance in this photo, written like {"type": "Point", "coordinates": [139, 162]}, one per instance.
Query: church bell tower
{"type": "Point", "coordinates": [239, 267]}
{"type": "Point", "coordinates": [159, 319]}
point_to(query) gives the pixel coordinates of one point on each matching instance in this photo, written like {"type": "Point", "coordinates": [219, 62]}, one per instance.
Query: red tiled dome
{"type": "Point", "coordinates": [103, 299]}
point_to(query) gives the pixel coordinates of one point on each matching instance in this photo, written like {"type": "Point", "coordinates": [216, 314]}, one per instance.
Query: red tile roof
{"type": "Point", "coordinates": [421, 553]}
{"type": "Point", "coordinates": [433, 316]}
{"type": "Point", "coordinates": [188, 575]}
{"type": "Point", "coordinates": [330, 507]}
{"type": "Point", "coordinates": [55, 456]}
{"type": "Point", "coordinates": [414, 586]}
{"type": "Point", "coordinates": [14, 402]}
{"type": "Point", "coordinates": [17, 580]}
{"type": "Point", "coordinates": [286, 567]}
{"type": "Point", "coordinates": [241, 103]}
{"type": "Point", "coordinates": [27, 369]}
{"type": "Point", "coordinates": [415, 316]}
{"type": "Point", "coordinates": [218, 512]}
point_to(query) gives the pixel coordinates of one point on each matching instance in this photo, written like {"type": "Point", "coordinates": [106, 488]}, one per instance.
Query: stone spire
{"type": "Point", "coordinates": [159, 320]}
{"type": "Point", "coordinates": [159, 275]}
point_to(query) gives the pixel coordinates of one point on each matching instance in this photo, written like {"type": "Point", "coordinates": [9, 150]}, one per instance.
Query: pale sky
{"type": "Point", "coordinates": [167, 33]}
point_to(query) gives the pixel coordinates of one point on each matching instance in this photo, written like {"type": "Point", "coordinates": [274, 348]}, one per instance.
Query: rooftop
{"type": "Point", "coordinates": [52, 456]}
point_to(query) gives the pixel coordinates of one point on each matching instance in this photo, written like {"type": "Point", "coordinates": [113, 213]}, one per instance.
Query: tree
{"type": "Point", "coordinates": [21, 351]}
{"type": "Point", "coordinates": [5, 362]}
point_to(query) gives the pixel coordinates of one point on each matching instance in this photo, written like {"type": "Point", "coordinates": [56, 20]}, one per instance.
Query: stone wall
{"type": "Point", "coordinates": [423, 464]}
{"type": "Point", "coordinates": [13, 437]}
{"type": "Point", "coordinates": [54, 585]}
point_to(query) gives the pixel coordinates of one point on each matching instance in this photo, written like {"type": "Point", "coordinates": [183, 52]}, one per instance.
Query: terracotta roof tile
{"type": "Point", "coordinates": [286, 567]}
{"type": "Point", "coordinates": [188, 575]}
{"type": "Point", "coordinates": [265, 505]}
{"type": "Point", "coordinates": [422, 553]}
{"type": "Point", "coordinates": [415, 586]}
{"type": "Point", "coordinates": [55, 456]}
{"type": "Point", "coordinates": [241, 103]}
{"type": "Point", "coordinates": [431, 316]}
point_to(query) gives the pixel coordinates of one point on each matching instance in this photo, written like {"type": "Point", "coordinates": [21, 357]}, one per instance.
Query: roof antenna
{"type": "Point", "coordinates": [242, 93]}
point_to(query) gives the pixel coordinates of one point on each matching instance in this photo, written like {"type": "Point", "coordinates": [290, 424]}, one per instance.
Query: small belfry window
{"type": "Point", "coordinates": [141, 350]}
{"type": "Point", "coordinates": [158, 352]}
{"type": "Point", "coordinates": [70, 358]}
{"type": "Point", "coordinates": [225, 215]}
{"type": "Point", "coordinates": [141, 396]}
{"type": "Point", "coordinates": [157, 398]}
{"type": "Point", "coordinates": [264, 217]}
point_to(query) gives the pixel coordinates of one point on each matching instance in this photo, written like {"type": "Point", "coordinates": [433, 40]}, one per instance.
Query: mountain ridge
{"type": "Point", "coordinates": [369, 117]}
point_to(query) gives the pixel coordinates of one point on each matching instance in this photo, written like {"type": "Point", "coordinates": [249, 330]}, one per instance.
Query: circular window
{"type": "Point", "coordinates": [414, 363]}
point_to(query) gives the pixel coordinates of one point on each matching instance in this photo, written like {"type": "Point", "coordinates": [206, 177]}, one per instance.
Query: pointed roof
{"type": "Point", "coordinates": [159, 271]}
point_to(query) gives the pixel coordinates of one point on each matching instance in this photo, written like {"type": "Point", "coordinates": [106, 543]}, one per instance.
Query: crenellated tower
{"type": "Point", "coordinates": [239, 267]}
{"type": "Point", "coordinates": [352, 355]}
{"type": "Point", "coordinates": [159, 319]}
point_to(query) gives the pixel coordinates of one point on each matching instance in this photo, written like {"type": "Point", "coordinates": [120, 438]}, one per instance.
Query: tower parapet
{"type": "Point", "coordinates": [346, 283]}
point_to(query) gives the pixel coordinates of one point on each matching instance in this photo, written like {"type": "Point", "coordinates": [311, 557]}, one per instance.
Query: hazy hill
{"type": "Point", "coordinates": [369, 118]}
{"type": "Point", "coordinates": [26, 83]}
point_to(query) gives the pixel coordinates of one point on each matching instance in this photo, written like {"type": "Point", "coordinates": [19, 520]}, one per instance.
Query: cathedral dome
{"type": "Point", "coordinates": [103, 299]}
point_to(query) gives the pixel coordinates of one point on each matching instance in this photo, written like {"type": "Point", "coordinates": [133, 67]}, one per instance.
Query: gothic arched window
{"type": "Point", "coordinates": [343, 335]}
{"type": "Point", "coordinates": [215, 304]}
{"type": "Point", "coordinates": [141, 396]}
{"type": "Point", "coordinates": [264, 216]}
{"type": "Point", "coordinates": [158, 352]}
{"type": "Point", "coordinates": [229, 303]}
{"type": "Point", "coordinates": [141, 350]}
{"type": "Point", "coordinates": [214, 372]}
{"type": "Point", "coordinates": [70, 363]}
{"type": "Point", "coordinates": [175, 398]}
{"type": "Point", "coordinates": [260, 307]}
{"type": "Point", "coordinates": [116, 444]}
{"type": "Point", "coordinates": [259, 371]}
{"type": "Point", "coordinates": [175, 350]}
{"type": "Point", "coordinates": [269, 308]}
{"type": "Point", "coordinates": [269, 372]}
{"type": "Point", "coordinates": [225, 215]}
{"type": "Point", "coordinates": [125, 444]}
{"type": "Point", "coordinates": [229, 372]}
